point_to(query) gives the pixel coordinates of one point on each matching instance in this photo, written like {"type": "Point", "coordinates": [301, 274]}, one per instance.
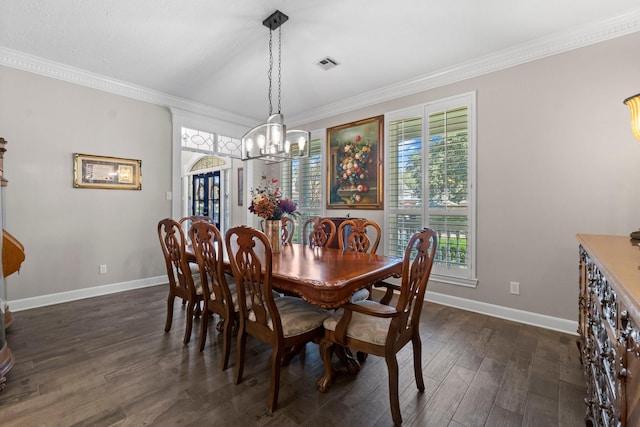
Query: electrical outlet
{"type": "Point", "coordinates": [514, 288]}
{"type": "Point", "coordinates": [103, 268]}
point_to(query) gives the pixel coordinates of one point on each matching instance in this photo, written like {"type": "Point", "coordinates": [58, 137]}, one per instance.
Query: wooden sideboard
{"type": "Point", "coordinates": [609, 328]}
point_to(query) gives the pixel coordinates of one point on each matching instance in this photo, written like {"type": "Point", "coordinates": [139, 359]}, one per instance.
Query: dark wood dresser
{"type": "Point", "coordinates": [609, 328]}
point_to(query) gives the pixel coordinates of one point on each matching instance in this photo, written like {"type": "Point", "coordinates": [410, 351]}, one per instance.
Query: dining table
{"type": "Point", "coordinates": [325, 277]}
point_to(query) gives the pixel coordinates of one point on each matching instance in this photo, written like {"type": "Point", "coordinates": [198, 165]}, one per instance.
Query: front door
{"type": "Point", "coordinates": [206, 196]}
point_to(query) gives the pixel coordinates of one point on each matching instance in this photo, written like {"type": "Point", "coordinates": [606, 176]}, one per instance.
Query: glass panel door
{"type": "Point", "coordinates": [206, 196]}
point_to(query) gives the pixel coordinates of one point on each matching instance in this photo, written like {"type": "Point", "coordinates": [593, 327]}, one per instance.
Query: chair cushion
{"type": "Point", "coordinates": [193, 266]}
{"type": "Point", "coordinates": [360, 295]}
{"type": "Point", "coordinates": [297, 316]}
{"type": "Point", "coordinates": [197, 283]}
{"type": "Point", "coordinates": [234, 296]}
{"type": "Point", "coordinates": [363, 327]}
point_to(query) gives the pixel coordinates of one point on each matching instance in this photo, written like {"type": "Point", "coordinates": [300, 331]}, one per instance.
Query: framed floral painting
{"type": "Point", "coordinates": [355, 165]}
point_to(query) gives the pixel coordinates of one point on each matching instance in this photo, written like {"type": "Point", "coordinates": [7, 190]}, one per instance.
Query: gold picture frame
{"type": "Point", "coordinates": [355, 165]}
{"type": "Point", "coordinates": [111, 173]}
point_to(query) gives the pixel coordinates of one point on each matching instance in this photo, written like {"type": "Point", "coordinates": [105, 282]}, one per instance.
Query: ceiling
{"type": "Point", "coordinates": [215, 52]}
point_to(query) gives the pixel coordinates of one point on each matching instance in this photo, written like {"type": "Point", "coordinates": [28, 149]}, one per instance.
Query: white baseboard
{"type": "Point", "coordinates": [527, 317]}
{"type": "Point", "coordinates": [521, 316]}
{"type": "Point", "coordinates": [44, 300]}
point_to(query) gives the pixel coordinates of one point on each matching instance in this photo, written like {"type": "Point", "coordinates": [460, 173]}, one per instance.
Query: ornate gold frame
{"type": "Point", "coordinates": [111, 173]}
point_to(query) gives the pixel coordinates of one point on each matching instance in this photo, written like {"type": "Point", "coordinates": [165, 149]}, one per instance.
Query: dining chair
{"type": "Point", "coordinates": [359, 235]}
{"type": "Point", "coordinates": [283, 323]}
{"type": "Point", "coordinates": [382, 330]}
{"type": "Point", "coordinates": [318, 232]}
{"type": "Point", "coordinates": [182, 282]}
{"type": "Point", "coordinates": [187, 221]}
{"type": "Point", "coordinates": [288, 228]}
{"type": "Point", "coordinates": [218, 294]}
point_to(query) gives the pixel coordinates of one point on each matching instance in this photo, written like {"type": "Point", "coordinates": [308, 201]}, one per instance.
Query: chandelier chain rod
{"type": "Point", "coordinates": [269, 74]}
{"type": "Point", "coordinates": [279, 68]}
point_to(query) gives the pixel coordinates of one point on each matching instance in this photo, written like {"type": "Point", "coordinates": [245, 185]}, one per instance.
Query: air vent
{"type": "Point", "coordinates": [327, 63]}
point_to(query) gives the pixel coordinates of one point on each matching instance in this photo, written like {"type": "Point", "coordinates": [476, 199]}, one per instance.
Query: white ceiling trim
{"type": "Point", "coordinates": [537, 49]}
{"type": "Point", "coordinates": [22, 61]}
{"type": "Point", "coordinates": [541, 48]}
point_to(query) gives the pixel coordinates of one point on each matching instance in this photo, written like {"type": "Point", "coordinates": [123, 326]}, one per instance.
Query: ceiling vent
{"type": "Point", "coordinates": [327, 63]}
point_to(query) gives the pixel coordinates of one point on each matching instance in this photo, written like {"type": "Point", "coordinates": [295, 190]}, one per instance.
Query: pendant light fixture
{"type": "Point", "coordinates": [271, 141]}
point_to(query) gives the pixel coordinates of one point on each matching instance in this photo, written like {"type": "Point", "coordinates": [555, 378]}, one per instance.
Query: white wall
{"type": "Point", "coordinates": [556, 157]}
{"type": "Point", "coordinates": [68, 232]}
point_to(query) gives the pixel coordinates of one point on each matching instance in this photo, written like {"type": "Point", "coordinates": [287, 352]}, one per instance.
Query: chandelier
{"type": "Point", "coordinates": [271, 141]}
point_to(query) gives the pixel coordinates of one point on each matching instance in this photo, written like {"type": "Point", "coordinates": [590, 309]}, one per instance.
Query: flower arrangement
{"type": "Point", "coordinates": [267, 201]}
{"type": "Point", "coordinates": [353, 162]}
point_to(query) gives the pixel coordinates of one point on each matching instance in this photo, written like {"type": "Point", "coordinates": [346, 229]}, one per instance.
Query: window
{"type": "Point", "coordinates": [302, 181]}
{"type": "Point", "coordinates": [432, 185]}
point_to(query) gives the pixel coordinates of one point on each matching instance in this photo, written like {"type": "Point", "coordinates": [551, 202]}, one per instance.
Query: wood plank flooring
{"type": "Point", "coordinates": [106, 361]}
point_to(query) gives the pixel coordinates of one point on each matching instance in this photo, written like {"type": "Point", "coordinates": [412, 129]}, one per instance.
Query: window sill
{"type": "Point", "coordinates": [450, 280]}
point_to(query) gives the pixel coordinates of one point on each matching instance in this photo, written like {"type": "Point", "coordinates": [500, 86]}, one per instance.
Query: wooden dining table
{"type": "Point", "coordinates": [325, 277]}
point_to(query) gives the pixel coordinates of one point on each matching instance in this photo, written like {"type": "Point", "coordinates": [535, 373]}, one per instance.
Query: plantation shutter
{"type": "Point", "coordinates": [301, 180]}
{"type": "Point", "coordinates": [430, 174]}
{"type": "Point", "coordinates": [405, 182]}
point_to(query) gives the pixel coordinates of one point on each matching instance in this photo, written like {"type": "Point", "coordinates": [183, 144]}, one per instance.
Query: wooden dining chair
{"type": "Point", "coordinates": [283, 323]}
{"type": "Point", "coordinates": [182, 282]}
{"type": "Point", "coordinates": [318, 232]}
{"type": "Point", "coordinates": [218, 295]}
{"type": "Point", "coordinates": [359, 235]}
{"type": "Point", "coordinates": [187, 221]}
{"type": "Point", "coordinates": [288, 228]}
{"type": "Point", "coordinates": [382, 330]}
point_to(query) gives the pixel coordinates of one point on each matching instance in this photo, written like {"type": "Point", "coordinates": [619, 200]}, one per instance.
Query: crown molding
{"type": "Point", "coordinates": [558, 43]}
{"type": "Point", "coordinates": [33, 64]}
{"type": "Point", "coordinates": [527, 52]}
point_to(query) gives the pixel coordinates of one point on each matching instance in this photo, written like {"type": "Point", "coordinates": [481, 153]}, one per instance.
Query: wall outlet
{"type": "Point", "coordinates": [103, 268]}
{"type": "Point", "coordinates": [514, 288]}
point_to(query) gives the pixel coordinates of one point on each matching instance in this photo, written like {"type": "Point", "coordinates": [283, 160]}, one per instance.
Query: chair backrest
{"type": "Point", "coordinates": [361, 235]}
{"type": "Point", "coordinates": [288, 228]}
{"type": "Point", "coordinates": [250, 257]}
{"type": "Point", "coordinates": [187, 221]}
{"type": "Point", "coordinates": [208, 247]}
{"type": "Point", "coordinates": [172, 241]}
{"type": "Point", "coordinates": [416, 269]}
{"type": "Point", "coordinates": [318, 232]}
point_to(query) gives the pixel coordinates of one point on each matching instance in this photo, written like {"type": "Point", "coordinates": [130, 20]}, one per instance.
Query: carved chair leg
{"type": "Point", "coordinates": [187, 330]}
{"type": "Point", "coordinates": [204, 323]}
{"type": "Point", "coordinates": [226, 343]}
{"type": "Point", "coordinates": [292, 352]}
{"type": "Point", "coordinates": [392, 366]}
{"type": "Point", "coordinates": [241, 344]}
{"type": "Point", "coordinates": [417, 362]}
{"type": "Point", "coordinates": [344, 354]}
{"type": "Point", "coordinates": [276, 363]}
{"type": "Point", "coordinates": [326, 351]}
{"type": "Point", "coordinates": [167, 323]}
{"type": "Point", "coordinates": [361, 356]}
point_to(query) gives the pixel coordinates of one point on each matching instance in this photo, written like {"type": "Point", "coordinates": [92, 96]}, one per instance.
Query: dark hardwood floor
{"type": "Point", "coordinates": [106, 361]}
